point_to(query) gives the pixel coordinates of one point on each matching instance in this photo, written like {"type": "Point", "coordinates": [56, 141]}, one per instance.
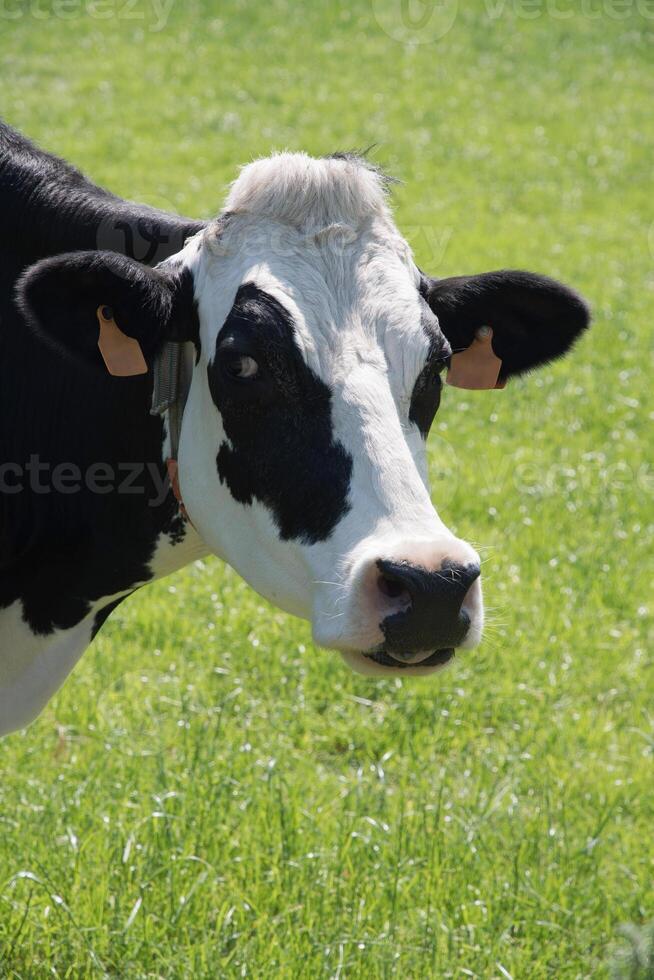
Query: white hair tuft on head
{"type": "Point", "coordinates": [309, 192]}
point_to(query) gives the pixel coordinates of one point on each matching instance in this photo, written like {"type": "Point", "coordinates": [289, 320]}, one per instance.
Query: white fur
{"type": "Point", "coordinates": [33, 667]}
{"type": "Point", "coordinates": [308, 193]}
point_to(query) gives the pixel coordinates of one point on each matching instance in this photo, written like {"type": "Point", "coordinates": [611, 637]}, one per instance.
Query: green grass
{"type": "Point", "coordinates": [211, 796]}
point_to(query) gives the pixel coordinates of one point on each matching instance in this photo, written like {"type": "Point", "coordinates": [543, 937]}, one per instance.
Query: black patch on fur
{"type": "Point", "coordinates": [176, 530]}
{"type": "Point", "coordinates": [534, 319]}
{"type": "Point", "coordinates": [61, 552]}
{"type": "Point", "coordinates": [426, 395]}
{"type": "Point", "coordinates": [281, 448]}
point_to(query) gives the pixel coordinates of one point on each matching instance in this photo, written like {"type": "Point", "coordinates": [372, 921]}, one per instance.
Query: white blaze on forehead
{"type": "Point", "coordinates": [307, 192]}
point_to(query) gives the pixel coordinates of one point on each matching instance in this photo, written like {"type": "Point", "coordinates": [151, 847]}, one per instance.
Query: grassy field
{"type": "Point", "coordinates": [210, 795]}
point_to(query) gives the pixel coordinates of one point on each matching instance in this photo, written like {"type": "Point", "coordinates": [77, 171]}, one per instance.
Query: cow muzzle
{"type": "Point", "coordinates": [411, 609]}
{"type": "Point", "coordinates": [431, 608]}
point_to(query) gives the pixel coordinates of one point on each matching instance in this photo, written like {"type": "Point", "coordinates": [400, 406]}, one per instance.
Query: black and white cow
{"type": "Point", "coordinates": [314, 349]}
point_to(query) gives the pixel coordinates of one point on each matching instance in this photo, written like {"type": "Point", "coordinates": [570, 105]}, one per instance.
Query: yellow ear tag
{"type": "Point", "coordinates": [121, 354]}
{"type": "Point", "coordinates": [477, 367]}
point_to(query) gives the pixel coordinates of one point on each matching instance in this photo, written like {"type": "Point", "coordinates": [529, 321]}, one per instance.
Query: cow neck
{"type": "Point", "coordinates": [172, 372]}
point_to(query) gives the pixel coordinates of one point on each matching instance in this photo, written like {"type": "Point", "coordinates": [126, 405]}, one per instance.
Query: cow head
{"type": "Point", "coordinates": [319, 357]}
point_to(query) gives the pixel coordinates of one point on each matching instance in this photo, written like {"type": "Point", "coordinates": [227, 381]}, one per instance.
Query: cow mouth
{"type": "Point", "coordinates": [436, 659]}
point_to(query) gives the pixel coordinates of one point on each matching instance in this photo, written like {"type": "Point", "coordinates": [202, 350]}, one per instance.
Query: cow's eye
{"type": "Point", "coordinates": [241, 366]}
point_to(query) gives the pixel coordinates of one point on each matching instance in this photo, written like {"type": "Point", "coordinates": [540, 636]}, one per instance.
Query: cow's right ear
{"type": "Point", "coordinates": [66, 300]}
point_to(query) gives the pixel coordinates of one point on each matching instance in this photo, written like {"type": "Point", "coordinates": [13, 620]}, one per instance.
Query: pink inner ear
{"type": "Point", "coordinates": [478, 367]}
{"type": "Point", "coordinates": [121, 354]}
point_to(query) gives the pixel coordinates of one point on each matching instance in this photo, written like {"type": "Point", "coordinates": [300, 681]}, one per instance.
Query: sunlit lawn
{"type": "Point", "coordinates": [212, 796]}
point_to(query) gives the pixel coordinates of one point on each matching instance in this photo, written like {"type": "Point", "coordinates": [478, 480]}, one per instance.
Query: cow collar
{"type": "Point", "coordinates": [172, 372]}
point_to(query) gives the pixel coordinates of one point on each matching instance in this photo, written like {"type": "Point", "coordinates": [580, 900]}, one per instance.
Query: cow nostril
{"type": "Point", "coordinates": [392, 588]}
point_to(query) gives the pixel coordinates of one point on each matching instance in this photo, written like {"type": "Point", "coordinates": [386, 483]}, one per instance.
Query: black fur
{"type": "Point", "coordinates": [48, 207]}
{"type": "Point", "coordinates": [282, 450]}
{"type": "Point", "coordinates": [59, 552]}
{"type": "Point", "coordinates": [534, 319]}
{"type": "Point", "coordinates": [426, 395]}
{"type": "Point", "coordinates": [59, 298]}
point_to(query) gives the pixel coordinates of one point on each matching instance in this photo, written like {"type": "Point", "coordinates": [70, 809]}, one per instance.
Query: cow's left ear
{"type": "Point", "coordinates": [533, 319]}
{"type": "Point", "coordinates": [69, 299]}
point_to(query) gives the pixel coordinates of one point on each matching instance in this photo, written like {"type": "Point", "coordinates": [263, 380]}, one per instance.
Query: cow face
{"type": "Point", "coordinates": [320, 351]}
